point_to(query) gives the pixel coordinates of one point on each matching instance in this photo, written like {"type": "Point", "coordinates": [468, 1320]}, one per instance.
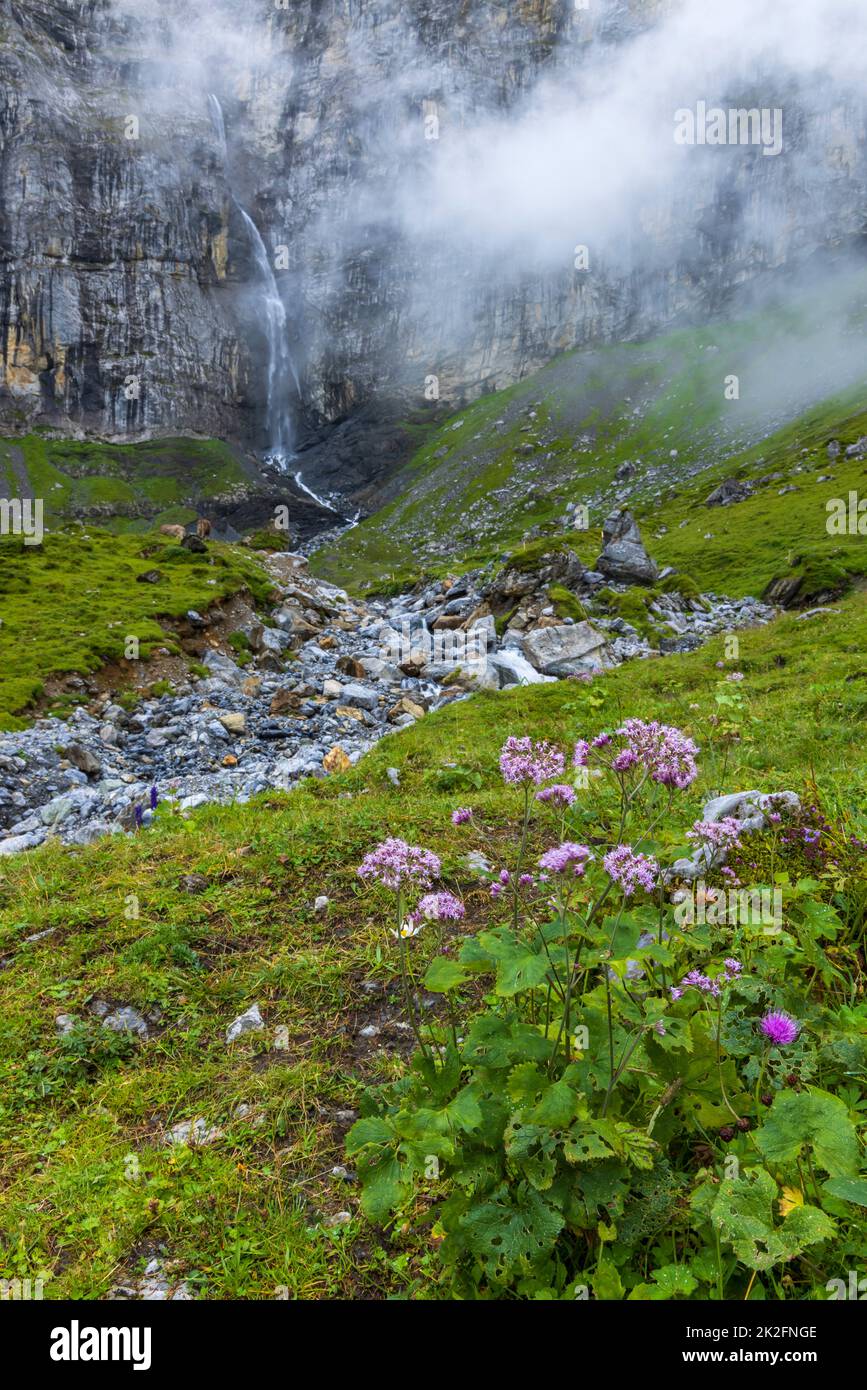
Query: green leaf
{"type": "Point", "coordinates": [444, 974]}
{"type": "Point", "coordinates": [584, 1145]}
{"type": "Point", "coordinates": [556, 1106]}
{"type": "Point", "coordinates": [382, 1187]}
{"type": "Point", "coordinates": [513, 1226]}
{"type": "Point", "coordinates": [848, 1189]}
{"type": "Point", "coordinates": [815, 1118]}
{"type": "Point", "coordinates": [743, 1213]}
{"type": "Point", "coordinates": [520, 970]}
{"type": "Point", "coordinates": [606, 1283]}
{"type": "Point", "coordinates": [371, 1130]}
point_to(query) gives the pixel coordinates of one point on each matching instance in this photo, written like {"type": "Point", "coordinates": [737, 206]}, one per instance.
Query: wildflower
{"type": "Point", "coordinates": [676, 992]}
{"type": "Point", "coordinates": [631, 870]}
{"type": "Point", "coordinates": [523, 762]}
{"type": "Point", "coordinates": [154, 798]}
{"type": "Point", "coordinates": [496, 890]}
{"type": "Point", "coordinates": [139, 817]}
{"type": "Point", "coordinates": [735, 676]}
{"type": "Point", "coordinates": [582, 750]}
{"type": "Point", "coordinates": [721, 834]}
{"type": "Point", "coordinates": [733, 967]}
{"type": "Point", "coordinates": [411, 927]}
{"type": "Point", "coordinates": [527, 881]}
{"type": "Point", "coordinates": [601, 740]}
{"type": "Point", "coordinates": [461, 815]}
{"type": "Point", "coordinates": [666, 753]}
{"type": "Point", "coordinates": [560, 792]}
{"type": "Point", "coordinates": [560, 857]}
{"type": "Point", "coordinates": [659, 1027]}
{"type": "Point", "coordinates": [394, 863]}
{"type": "Point", "coordinates": [505, 876]}
{"type": "Point", "coordinates": [624, 760]}
{"type": "Point", "coordinates": [441, 907]}
{"type": "Point", "coordinates": [780, 1028]}
{"type": "Point", "coordinates": [720, 665]}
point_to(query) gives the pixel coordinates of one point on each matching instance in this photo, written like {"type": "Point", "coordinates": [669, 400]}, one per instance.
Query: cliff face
{"type": "Point", "coordinates": [130, 301]}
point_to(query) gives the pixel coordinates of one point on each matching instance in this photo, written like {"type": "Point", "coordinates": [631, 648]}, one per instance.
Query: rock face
{"type": "Point", "coordinates": [129, 299]}
{"type": "Point", "coordinates": [623, 557]}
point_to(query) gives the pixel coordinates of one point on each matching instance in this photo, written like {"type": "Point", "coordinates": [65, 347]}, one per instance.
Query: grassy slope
{"type": "Point", "coordinates": [511, 461]}
{"type": "Point", "coordinates": [89, 1190]}
{"type": "Point", "coordinates": [162, 480]}
{"type": "Point", "coordinates": [68, 604]}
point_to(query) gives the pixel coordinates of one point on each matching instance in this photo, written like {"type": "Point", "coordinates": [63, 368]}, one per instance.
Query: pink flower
{"type": "Point", "coordinates": [441, 907]}
{"type": "Point", "coordinates": [559, 859]}
{"type": "Point", "coordinates": [523, 762]}
{"type": "Point", "coordinates": [720, 834]}
{"type": "Point", "coordinates": [582, 750]}
{"type": "Point", "coordinates": [461, 815]}
{"type": "Point", "coordinates": [561, 793]}
{"type": "Point", "coordinates": [666, 753]}
{"type": "Point", "coordinates": [394, 863]}
{"type": "Point", "coordinates": [780, 1028]}
{"type": "Point", "coordinates": [631, 870]}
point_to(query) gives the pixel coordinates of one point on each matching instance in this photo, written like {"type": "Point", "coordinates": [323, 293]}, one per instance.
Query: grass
{"type": "Point", "coordinates": [90, 1190]}
{"type": "Point", "coordinates": [503, 469]}
{"type": "Point", "coordinates": [70, 603]}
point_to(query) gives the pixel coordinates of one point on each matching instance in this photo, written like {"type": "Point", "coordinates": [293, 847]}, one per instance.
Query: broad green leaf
{"type": "Point", "coordinates": [444, 974]}
{"type": "Point", "coordinates": [606, 1283]}
{"type": "Point", "coordinates": [382, 1188]}
{"type": "Point", "coordinates": [371, 1130]}
{"type": "Point", "coordinates": [848, 1189]}
{"type": "Point", "coordinates": [743, 1213]}
{"type": "Point", "coordinates": [815, 1118]}
{"type": "Point", "coordinates": [513, 1226]}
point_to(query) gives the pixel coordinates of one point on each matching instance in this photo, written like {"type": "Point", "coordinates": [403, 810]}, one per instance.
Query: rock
{"type": "Point", "coordinates": [233, 723]}
{"type": "Point", "coordinates": [514, 669]}
{"type": "Point", "coordinates": [83, 759]}
{"type": "Point", "coordinates": [193, 1133]}
{"type": "Point", "coordinates": [349, 712]}
{"type": "Point", "coordinates": [249, 1022]}
{"type": "Point", "coordinates": [393, 776]}
{"type": "Point", "coordinates": [564, 650]}
{"type": "Point", "coordinates": [65, 1023]}
{"type": "Point", "coordinates": [285, 699]}
{"type": "Point", "coordinates": [405, 706]}
{"type": "Point", "coordinates": [223, 667]}
{"type": "Point", "coordinates": [194, 543]}
{"type": "Point", "coordinates": [126, 1020]}
{"type": "Point", "coordinates": [624, 558]}
{"type": "Point", "coordinates": [149, 577]}
{"type": "Point", "coordinates": [193, 883]}
{"type": "Point", "coordinates": [320, 906]}
{"type": "Point", "coordinates": [351, 666]}
{"type": "Point", "coordinates": [335, 760]}
{"type": "Point", "coordinates": [858, 449]}
{"type": "Point", "coordinates": [355, 694]}
{"type": "Point", "coordinates": [340, 1218]}
{"type": "Point", "coordinates": [783, 590]}
{"type": "Point", "coordinates": [729, 491]}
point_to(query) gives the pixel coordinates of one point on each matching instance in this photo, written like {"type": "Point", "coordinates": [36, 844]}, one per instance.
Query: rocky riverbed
{"type": "Point", "coordinates": [323, 678]}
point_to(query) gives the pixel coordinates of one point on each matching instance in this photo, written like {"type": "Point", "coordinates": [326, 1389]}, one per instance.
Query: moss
{"type": "Point", "coordinates": [267, 540]}
{"type": "Point", "coordinates": [682, 584]}
{"type": "Point", "coordinates": [566, 605]}
{"type": "Point", "coordinates": [632, 606]}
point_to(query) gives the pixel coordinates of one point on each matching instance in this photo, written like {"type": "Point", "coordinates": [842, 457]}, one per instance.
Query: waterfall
{"type": "Point", "coordinates": [278, 423]}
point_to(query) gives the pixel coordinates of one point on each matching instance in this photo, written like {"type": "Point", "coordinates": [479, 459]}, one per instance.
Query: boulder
{"type": "Point", "coordinates": [624, 558]}
{"type": "Point", "coordinates": [730, 490]}
{"type": "Point", "coordinates": [514, 669]}
{"type": "Point", "coordinates": [564, 650]}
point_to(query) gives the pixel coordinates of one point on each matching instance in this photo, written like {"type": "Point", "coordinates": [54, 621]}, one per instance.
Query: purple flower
{"type": "Point", "coordinates": [733, 967]}
{"type": "Point", "coordinates": [780, 1028]}
{"type": "Point", "coordinates": [559, 859]}
{"type": "Point", "coordinates": [394, 863]}
{"type": "Point", "coordinates": [666, 753]}
{"type": "Point", "coordinates": [624, 760]}
{"type": "Point", "coordinates": [523, 762]}
{"type": "Point", "coordinates": [735, 676]}
{"type": "Point", "coordinates": [560, 793]}
{"type": "Point", "coordinates": [719, 834]}
{"type": "Point", "coordinates": [631, 870]}
{"type": "Point", "coordinates": [496, 890]}
{"type": "Point", "coordinates": [154, 798]}
{"type": "Point", "coordinates": [659, 1027]}
{"type": "Point", "coordinates": [441, 907]}
{"type": "Point", "coordinates": [461, 815]}
{"type": "Point", "coordinates": [139, 817]}
{"type": "Point", "coordinates": [505, 876]}
{"type": "Point", "coordinates": [527, 881]}
{"type": "Point", "coordinates": [582, 750]}
{"type": "Point", "coordinates": [601, 740]}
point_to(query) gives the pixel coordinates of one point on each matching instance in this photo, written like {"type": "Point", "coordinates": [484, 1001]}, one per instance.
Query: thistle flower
{"type": "Point", "coordinates": [461, 815]}
{"type": "Point", "coordinates": [441, 907]}
{"type": "Point", "coordinates": [523, 762]}
{"type": "Point", "coordinates": [780, 1028]}
{"type": "Point", "coordinates": [394, 863]}
{"type": "Point", "coordinates": [631, 870]}
{"type": "Point", "coordinates": [562, 856]}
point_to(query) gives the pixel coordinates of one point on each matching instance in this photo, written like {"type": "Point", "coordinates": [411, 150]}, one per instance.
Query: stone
{"type": "Point", "coordinates": [149, 577]}
{"type": "Point", "coordinates": [624, 558]}
{"type": "Point", "coordinates": [320, 905]}
{"type": "Point", "coordinates": [564, 649]}
{"type": "Point", "coordinates": [126, 1020]}
{"type": "Point", "coordinates": [335, 760]}
{"type": "Point", "coordinates": [223, 667]}
{"type": "Point", "coordinates": [249, 1022]}
{"type": "Point", "coordinates": [514, 669]}
{"type": "Point", "coordinates": [233, 723]}
{"type": "Point", "coordinates": [349, 712]}
{"type": "Point", "coordinates": [83, 759]}
{"type": "Point", "coordinates": [355, 694]}
{"type": "Point", "coordinates": [405, 706]}
{"type": "Point", "coordinates": [285, 699]}
{"type": "Point", "coordinates": [729, 491]}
